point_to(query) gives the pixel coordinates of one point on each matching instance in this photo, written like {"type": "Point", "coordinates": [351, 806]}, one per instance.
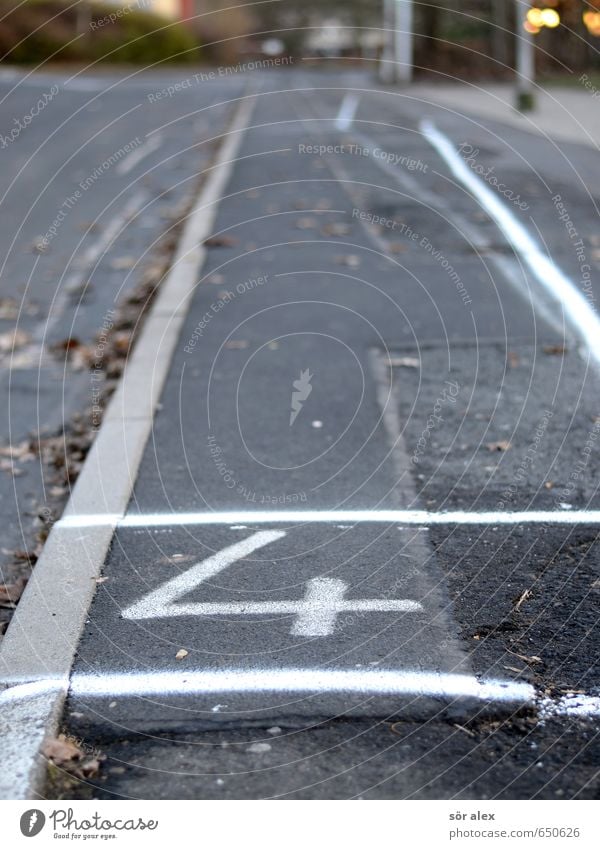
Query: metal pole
{"type": "Point", "coordinates": [386, 67]}
{"type": "Point", "coordinates": [403, 41]}
{"type": "Point", "coordinates": [525, 99]}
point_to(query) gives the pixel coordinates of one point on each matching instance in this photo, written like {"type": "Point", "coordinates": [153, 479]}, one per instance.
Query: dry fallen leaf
{"type": "Point", "coordinates": [513, 359]}
{"type": "Point", "coordinates": [13, 339]}
{"type": "Point", "coordinates": [525, 595]}
{"type": "Point", "coordinates": [396, 247]}
{"type": "Point", "coordinates": [236, 344]}
{"type": "Point", "coordinates": [306, 223]}
{"type": "Point", "coordinates": [11, 593]}
{"type": "Point", "coordinates": [336, 228]}
{"type": "Point", "coordinates": [22, 451]}
{"type": "Point", "coordinates": [120, 263]}
{"type": "Point", "coordinates": [554, 350]}
{"type": "Point", "coordinates": [223, 241]}
{"type": "Point", "coordinates": [348, 259]}
{"type": "Point", "coordinates": [62, 751]}
{"type": "Point", "coordinates": [181, 654]}
{"type": "Point", "coordinates": [502, 445]}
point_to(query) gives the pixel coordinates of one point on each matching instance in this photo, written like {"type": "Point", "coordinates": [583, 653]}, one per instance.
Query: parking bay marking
{"type": "Point", "coordinates": [316, 613]}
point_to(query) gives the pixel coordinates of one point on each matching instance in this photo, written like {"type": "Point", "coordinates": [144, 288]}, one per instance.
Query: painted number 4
{"type": "Point", "coordinates": [314, 615]}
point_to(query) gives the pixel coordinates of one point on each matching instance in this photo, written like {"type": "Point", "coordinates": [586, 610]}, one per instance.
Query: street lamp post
{"type": "Point", "coordinates": [403, 41]}
{"type": "Point", "coordinates": [397, 56]}
{"type": "Point", "coordinates": [525, 99]}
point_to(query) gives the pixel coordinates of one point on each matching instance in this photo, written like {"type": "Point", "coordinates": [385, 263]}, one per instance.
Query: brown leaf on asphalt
{"type": "Point", "coordinates": [9, 466]}
{"type": "Point", "coordinates": [8, 308]}
{"type": "Point", "coordinates": [121, 263]}
{"type": "Point", "coordinates": [502, 445]}
{"type": "Point", "coordinates": [336, 228]}
{"type": "Point", "coordinates": [66, 753]}
{"type": "Point", "coordinates": [306, 223]}
{"type": "Point", "coordinates": [22, 451]}
{"type": "Point", "coordinates": [525, 595]}
{"type": "Point", "coordinates": [62, 751]}
{"type": "Point", "coordinates": [223, 241]}
{"type": "Point", "coordinates": [12, 340]}
{"type": "Point", "coordinates": [396, 247]}
{"type": "Point", "coordinates": [348, 259]}
{"type": "Point", "coordinates": [555, 350]}
{"type": "Point", "coordinates": [513, 359]}
{"type": "Point", "coordinates": [236, 344]}
{"type": "Point", "coordinates": [11, 593]}
{"type": "Point", "coordinates": [39, 245]}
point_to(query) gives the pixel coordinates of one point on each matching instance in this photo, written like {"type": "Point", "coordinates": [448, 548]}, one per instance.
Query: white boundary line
{"type": "Point", "coordinates": [295, 517]}
{"type": "Point", "coordinates": [149, 146]}
{"type": "Point", "coordinates": [26, 698]}
{"type": "Point", "coordinates": [43, 635]}
{"type": "Point", "coordinates": [583, 318]}
{"type": "Point", "coordinates": [345, 116]}
{"type": "Point", "coordinates": [373, 682]}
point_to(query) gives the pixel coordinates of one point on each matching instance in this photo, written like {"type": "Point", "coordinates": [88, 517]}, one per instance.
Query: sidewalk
{"type": "Point", "coordinates": [563, 114]}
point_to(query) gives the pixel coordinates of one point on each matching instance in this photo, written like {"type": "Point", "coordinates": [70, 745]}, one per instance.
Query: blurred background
{"type": "Point", "coordinates": [463, 38]}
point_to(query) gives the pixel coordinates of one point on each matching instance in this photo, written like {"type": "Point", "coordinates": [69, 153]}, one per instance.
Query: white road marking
{"type": "Point", "coordinates": [149, 146]}
{"type": "Point", "coordinates": [285, 680]}
{"type": "Point", "coordinates": [292, 517]}
{"type": "Point", "coordinates": [347, 112]}
{"type": "Point", "coordinates": [584, 319]}
{"type": "Point", "coordinates": [571, 705]}
{"type": "Point", "coordinates": [162, 601]}
{"type": "Point", "coordinates": [315, 614]}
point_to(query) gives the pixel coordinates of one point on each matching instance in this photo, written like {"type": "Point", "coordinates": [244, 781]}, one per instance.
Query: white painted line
{"type": "Point", "coordinates": [347, 112]}
{"type": "Point", "coordinates": [315, 614]}
{"type": "Point", "coordinates": [373, 682]}
{"type": "Point", "coordinates": [149, 146]}
{"type": "Point", "coordinates": [583, 318]}
{"type": "Point", "coordinates": [574, 706]}
{"type": "Point", "coordinates": [162, 601]}
{"type": "Point", "coordinates": [42, 637]}
{"type": "Point", "coordinates": [293, 517]}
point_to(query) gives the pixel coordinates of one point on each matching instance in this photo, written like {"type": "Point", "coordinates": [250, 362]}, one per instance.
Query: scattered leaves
{"type": "Point", "coordinates": [335, 228]}
{"type": "Point", "coordinates": [11, 593]}
{"type": "Point", "coordinates": [525, 595]}
{"type": "Point", "coordinates": [502, 445]}
{"type": "Point", "coordinates": [121, 263]}
{"type": "Point", "coordinates": [66, 753]}
{"type": "Point", "coordinates": [396, 247]}
{"type": "Point", "coordinates": [306, 223]}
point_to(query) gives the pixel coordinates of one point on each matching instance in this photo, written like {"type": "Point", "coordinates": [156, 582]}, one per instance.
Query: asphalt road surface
{"type": "Point", "coordinates": [371, 334]}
